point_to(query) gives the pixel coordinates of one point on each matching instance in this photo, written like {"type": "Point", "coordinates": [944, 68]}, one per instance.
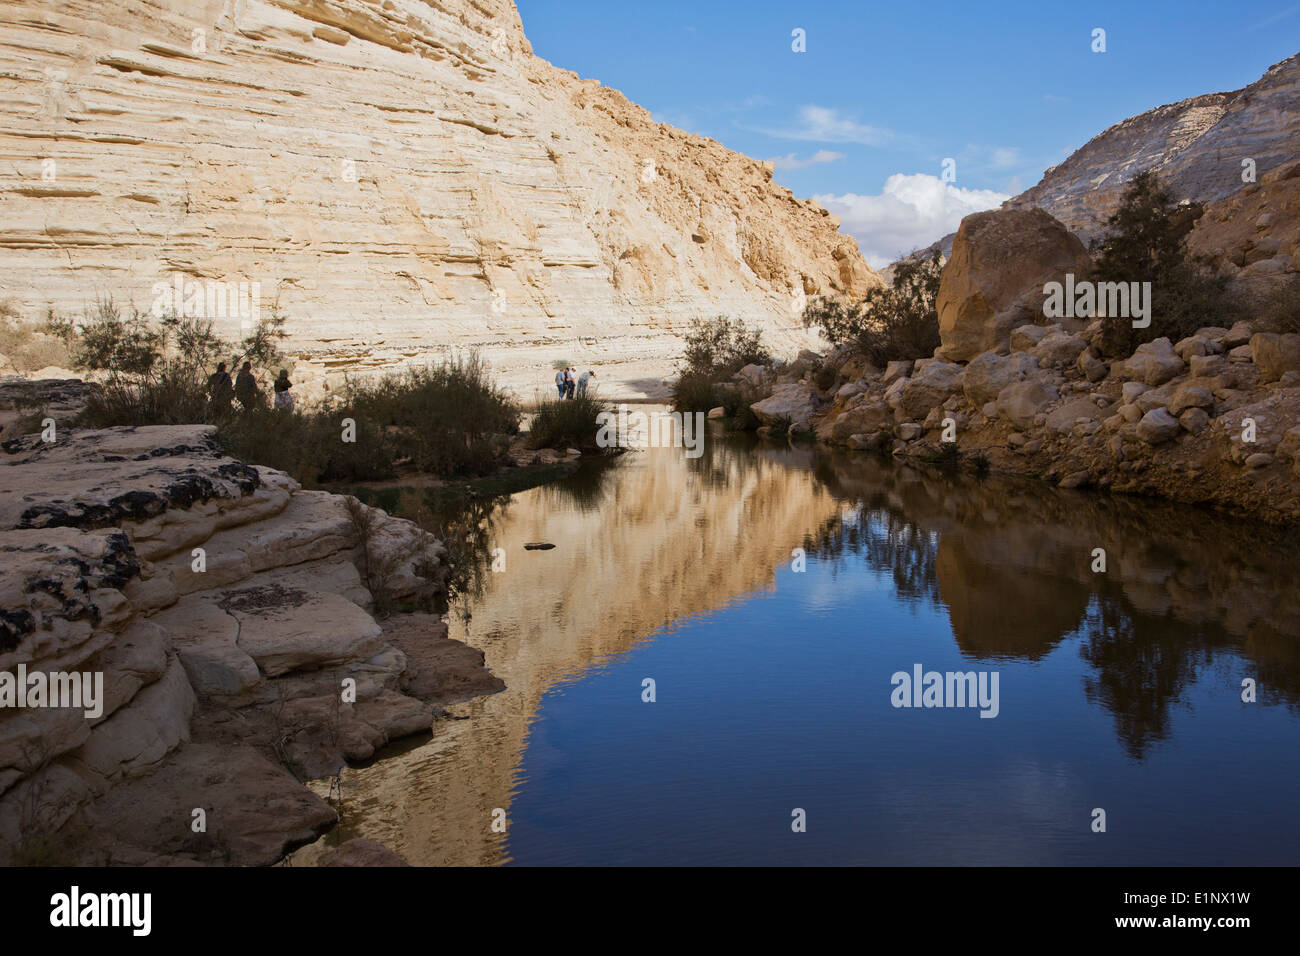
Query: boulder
{"type": "Point", "coordinates": [753, 375]}
{"type": "Point", "coordinates": [1153, 363]}
{"type": "Point", "coordinates": [1207, 366]}
{"type": "Point", "coordinates": [1158, 426]}
{"type": "Point", "coordinates": [1190, 396]}
{"type": "Point", "coordinates": [1063, 419]}
{"type": "Point", "coordinates": [793, 402]}
{"type": "Point", "coordinates": [1275, 354]}
{"type": "Point", "coordinates": [1194, 420]}
{"type": "Point", "coordinates": [716, 413]}
{"type": "Point", "coordinates": [896, 370]}
{"type": "Point", "coordinates": [1092, 366]}
{"type": "Point", "coordinates": [993, 281]}
{"type": "Point", "coordinates": [1059, 348]}
{"type": "Point", "coordinates": [1026, 337]}
{"type": "Point", "coordinates": [989, 373]}
{"type": "Point", "coordinates": [928, 389]}
{"type": "Point", "coordinates": [1020, 402]}
{"type": "Point", "coordinates": [1238, 335]}
{"type": "Point", "coordinates": [284, 629]}
{"type": "Point", "coordinates": [866, 418]}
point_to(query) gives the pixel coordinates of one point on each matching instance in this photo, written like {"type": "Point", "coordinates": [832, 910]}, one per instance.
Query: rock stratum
{"type": "Point", "coordinates": [1197, 146]}
{"type": "Point", "coordinates": [226, 611]}
{"type": "Point", "coordinates": [400, 177]}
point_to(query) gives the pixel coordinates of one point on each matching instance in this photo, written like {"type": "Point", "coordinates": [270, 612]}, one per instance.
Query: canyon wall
{"type": "Point", "coordinates": [1197, 146]}
{"type": "Point", "coordinates": [399, 177]}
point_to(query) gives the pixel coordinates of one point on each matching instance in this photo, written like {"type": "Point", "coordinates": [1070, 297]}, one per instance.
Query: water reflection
{"type": "Point", "coordinates": [656, 543]}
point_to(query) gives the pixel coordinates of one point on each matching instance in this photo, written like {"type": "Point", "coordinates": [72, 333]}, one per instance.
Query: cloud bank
{"type": "Point", "coordinates": [911, 211]}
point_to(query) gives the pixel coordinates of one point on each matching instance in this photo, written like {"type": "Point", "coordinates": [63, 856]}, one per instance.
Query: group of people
{"type": "Point", "coordinates": [221, 390]}
{"type": "Point", "coordinates": [568, 382]}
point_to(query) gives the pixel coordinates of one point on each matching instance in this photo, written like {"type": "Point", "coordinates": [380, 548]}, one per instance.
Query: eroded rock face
{"type": "Point", "coordinates": [226, 613]}
{"type": "Point", "coordinates": [994, 281]}
{"type": "Point", "coordinates": [1185, 143]}
{"type": "Point", "coordinates": [401, 177]}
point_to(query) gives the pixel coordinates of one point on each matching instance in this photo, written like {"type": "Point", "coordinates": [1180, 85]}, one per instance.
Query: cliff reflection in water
{"type": "Point", "coordinates": [1012, 564]}
{"type": "Point", "coordinates": [653, 541]}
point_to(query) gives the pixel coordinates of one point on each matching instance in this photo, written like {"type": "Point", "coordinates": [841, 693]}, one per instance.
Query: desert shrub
{"type": "Point", "coordinates": [721, 346]}
{"type": "Point", "coordinates": [716, 349]}
{"type": "Point", "coordinates": [1146, 241]}
{"type": "Point", "coordinates": [697, 392]}
{"type": "Point", "coordinates": [891, 323]}
{"type": "Point", "coordinates": [445, 419]}
{"type": "Point", "coordinates": [566, 423]}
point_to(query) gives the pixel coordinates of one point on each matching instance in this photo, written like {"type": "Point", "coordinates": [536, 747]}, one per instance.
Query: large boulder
{"type": "Point", "coordinates": [1153, 363]}
{"type": "Point", "coordinates": [928, 389]}
{"type": "Point", "coordinates": [866, 418]}
{"type": "Point", "coordinates": [1020, 402]}
{"type": "Point", "coordinates": [1158, 426]}
{"type": "Point", "coordinates": [989, 373]}
{"type": "Point", "coordinates": [794, 402]}
{"type": "Point", "coordinates": [1275, 355]}
{"type": "Point", "coordinates": [994, 280]}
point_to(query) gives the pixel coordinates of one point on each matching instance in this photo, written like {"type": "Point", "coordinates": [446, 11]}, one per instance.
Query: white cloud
{"type": "Point", "coordinates": [821, 124]}
{"type": "Point", "coordinates": [791, 161]}
{"type": "Point", "coordinates": [911, 211]}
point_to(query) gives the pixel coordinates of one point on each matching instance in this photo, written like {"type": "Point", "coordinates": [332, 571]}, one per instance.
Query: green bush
{"type": "Point", "coordinates": [892, 323]}
{"type": "Point", "coordinates": [566, 423]}
{"type": "Point", "coordinates": [696, 392]}
{"type": "Point", "coordinates": [447, 419]}
{"type": "Point", "coordinates": [716, 349]}
{"type": "Point", "coordinates": [721, 346]}
{"type": "Point", "coordinates": [1146, 241]}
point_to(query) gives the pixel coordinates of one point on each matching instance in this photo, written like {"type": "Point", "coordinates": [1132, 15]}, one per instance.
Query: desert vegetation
{"type": "Point", "coordinates": [447, 419]}
{"type": "Point", "coordinates": [1146, 241]}
{"type": "Point", "coordinates": [715, 350]}
{"type": "Point", "coordinates": [895, 322]}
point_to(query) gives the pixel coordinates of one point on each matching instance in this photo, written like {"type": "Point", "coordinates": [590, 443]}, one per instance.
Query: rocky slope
{"type": "Point", "coordinates": [399, 177]}
{"type": "Point", "coordinates": [1212, 418]}
{"type": "Point", "coordinates": [224, 608]}
{"type": "Point", "coordinates": [1197, 146]}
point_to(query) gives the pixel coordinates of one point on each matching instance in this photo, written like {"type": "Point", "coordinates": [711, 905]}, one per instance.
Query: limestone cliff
{"type": "Point", "coordinates": [1197, 146]}
{"type": "Point", "coordinates": [399, 176]}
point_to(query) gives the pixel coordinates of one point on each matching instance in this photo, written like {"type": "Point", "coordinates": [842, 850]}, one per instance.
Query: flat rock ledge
{"type": "Point", "coordinates": [223, 606]}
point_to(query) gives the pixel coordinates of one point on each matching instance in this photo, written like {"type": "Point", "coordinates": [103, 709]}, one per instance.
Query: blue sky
{"type": "Point", "coordinates": [864, 119]}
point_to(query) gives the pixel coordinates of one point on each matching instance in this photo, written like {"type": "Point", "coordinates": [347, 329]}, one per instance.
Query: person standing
{"type": "Point", "coordinates": [220, 389]}
{"type": "Point", "coordinates": [246, 387]}
{"type": "Point", "coordinates": [570, 381]}
{"type": "Point", "coordinates": [283, 397]}
{"type": "Point", "coordinates": [561, 381]}
{"type": "Point", "coordinates": [583, 379]}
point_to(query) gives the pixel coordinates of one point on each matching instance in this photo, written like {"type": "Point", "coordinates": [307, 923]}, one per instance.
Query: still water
{"type": "Point", "coordinates": [773, 687]}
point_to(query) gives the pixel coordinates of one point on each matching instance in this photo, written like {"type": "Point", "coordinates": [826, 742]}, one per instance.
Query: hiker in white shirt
{"type": "Point", "coordinates": [582, 381]}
